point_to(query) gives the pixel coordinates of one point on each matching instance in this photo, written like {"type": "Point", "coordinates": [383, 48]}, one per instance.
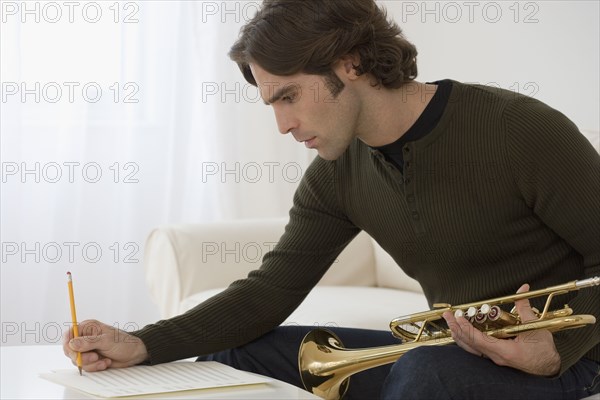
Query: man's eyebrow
{"type": "Point", "coordinates": [279, 93]}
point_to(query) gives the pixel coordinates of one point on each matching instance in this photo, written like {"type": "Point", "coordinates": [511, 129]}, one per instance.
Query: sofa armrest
{"type": "Point", "coordinates": [182, 260]}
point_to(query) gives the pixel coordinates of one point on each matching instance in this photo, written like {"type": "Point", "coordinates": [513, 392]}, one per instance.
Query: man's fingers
{"type": "Point", "coordinates": [524, 288]}
{"type": "Point", "coordinates": [83, 345]}
{"type": "Point", "coordinates": [89, 357]}
{"type": "Point", "coordinates": [462, 332]}
{"type": "Point", "coordinates": [66, 337]}
{"type": "Point", "coordinates": [91, 361]}
{"type": "Point", "coordinates": [92, 327]}
{"type": "Point", "coordinates": [99, 365]}
{"type": "Point", "coordinates": [86, 357]}
{"type": "Point", "coordinates": [88, 343]}
{"type": "Point", "coordinates": [472, 339]}
{"type": "Point", "coordinates": [524, 307]}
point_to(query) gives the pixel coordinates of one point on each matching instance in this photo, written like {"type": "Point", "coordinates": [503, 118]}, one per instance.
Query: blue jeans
{"type": "Point", "coordinates": [427, 372]}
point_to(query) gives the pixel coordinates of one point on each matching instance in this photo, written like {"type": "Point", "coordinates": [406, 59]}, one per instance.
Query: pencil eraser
{"type": "Point", "coordinates": [68, 273]}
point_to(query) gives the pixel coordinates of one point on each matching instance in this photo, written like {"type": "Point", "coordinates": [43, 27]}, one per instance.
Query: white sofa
{"type": "Point", "coordinates": [186, 264]}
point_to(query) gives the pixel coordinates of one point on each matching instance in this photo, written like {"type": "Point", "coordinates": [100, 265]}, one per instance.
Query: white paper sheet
{"type": "Point", "coordinates": [162, 378]}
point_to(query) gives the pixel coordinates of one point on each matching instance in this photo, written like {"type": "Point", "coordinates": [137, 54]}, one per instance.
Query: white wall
{"type": "Point", "coordinates": [545, 49]}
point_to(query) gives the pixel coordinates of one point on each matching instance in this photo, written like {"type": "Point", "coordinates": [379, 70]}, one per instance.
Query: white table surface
{"type": "Point", "coordinates": [21, 366]}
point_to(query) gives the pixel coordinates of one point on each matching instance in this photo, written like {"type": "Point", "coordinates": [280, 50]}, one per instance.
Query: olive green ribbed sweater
{"type": "Point", "coordinates": [504, 191]}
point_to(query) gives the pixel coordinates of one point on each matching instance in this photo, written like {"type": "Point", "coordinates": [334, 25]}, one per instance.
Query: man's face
{"type": "Point", "coordinates": [305, 107]}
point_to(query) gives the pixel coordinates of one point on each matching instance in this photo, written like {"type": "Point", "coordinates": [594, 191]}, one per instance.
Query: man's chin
{"type": "Point", "coordinates": [328, 156]}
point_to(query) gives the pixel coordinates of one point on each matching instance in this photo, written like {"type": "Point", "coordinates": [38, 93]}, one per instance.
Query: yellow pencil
{"type": "Point", "coordinates": [74, 316]}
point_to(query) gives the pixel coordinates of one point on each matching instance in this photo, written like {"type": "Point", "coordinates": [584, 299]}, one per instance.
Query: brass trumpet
{"type": "Point", "coordinates": [326, 366]}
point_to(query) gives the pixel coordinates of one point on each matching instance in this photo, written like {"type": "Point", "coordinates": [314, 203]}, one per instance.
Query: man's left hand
{"type": "Point", "coordinates": [533, 352]}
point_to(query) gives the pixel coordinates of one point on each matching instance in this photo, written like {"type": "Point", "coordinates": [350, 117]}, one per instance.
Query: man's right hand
{"type": "Point", "coordinates": [103, 346]}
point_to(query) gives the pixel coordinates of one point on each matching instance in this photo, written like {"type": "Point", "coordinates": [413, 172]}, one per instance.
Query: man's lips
{"type": "Point", "coordinates": [310, 142]}
{"type": "Point", "coordinates": [305, 140]}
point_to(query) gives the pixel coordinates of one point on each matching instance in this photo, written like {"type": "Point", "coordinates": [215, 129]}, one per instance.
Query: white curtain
{"type": "Point", "coordinates": [110, 129]}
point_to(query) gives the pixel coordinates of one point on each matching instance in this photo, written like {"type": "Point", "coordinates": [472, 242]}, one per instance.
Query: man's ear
{"type": "Point", "coordinates": [345, 66]}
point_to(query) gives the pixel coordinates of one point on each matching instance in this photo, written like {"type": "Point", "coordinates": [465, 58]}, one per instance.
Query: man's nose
{"type": "Point", "coordinates": [285, 123]}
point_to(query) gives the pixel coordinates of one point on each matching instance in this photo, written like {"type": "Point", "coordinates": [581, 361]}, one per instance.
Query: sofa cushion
{"type": "Point", "coordinates": [349, 306]}
{"type": "Point", "coordinates": [389, 274]}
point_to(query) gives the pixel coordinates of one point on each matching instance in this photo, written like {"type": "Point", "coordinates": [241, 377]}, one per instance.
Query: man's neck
{"type": "Point", "coordinates": [388, 114]}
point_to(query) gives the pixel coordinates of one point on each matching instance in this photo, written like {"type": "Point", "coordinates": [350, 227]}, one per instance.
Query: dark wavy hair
{"type": "Point", "coordinates": [286, 37]}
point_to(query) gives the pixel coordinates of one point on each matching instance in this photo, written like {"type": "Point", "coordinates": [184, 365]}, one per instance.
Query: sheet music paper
{"type": "Point", "coordinates": [162, 378]}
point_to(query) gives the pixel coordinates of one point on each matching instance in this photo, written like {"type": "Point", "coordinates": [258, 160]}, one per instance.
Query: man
{"type": "Point", "coordinates": [474, 191]}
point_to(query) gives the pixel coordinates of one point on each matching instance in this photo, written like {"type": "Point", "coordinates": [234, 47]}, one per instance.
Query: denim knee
{"type": "Point", "coordinates": [415, 375]}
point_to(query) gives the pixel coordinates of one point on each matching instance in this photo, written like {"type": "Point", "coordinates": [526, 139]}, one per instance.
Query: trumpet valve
{"type": "Point", "coordinates": [505, 318]}
{"type": "Point", "coordinates": [480, 318]}
{"type": "Point", "coordinates": [482, 314]}
{"type": "Point", "coordinates": [471, 314]}
{"type": "Point", "coordinates": [459, 313]}
{"type": "Point", "coordinates": [485, 309]}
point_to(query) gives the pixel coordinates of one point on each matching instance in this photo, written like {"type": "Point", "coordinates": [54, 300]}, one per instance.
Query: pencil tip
{"type": "Point", "coordinates": [79, 370]}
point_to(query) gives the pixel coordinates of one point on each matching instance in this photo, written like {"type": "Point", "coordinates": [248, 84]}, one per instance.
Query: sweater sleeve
{"type": "Point", "coordinates": [316, 233]}
{"type": "Point", "coordinates": [557, 172]}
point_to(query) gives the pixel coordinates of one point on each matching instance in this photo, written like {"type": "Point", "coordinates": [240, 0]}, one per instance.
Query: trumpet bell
{"type": "Point", "coordinates": [325, 385]}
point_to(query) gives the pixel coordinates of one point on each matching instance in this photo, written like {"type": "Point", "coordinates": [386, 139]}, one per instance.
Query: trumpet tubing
{"type": "Point", "coordinates": [326, 366]}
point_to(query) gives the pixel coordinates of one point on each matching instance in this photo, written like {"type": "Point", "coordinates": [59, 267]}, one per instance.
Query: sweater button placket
{"type": "Point", "coordinates": [409, 186]}
{"type": "Point", "coordinates": [408, 170]}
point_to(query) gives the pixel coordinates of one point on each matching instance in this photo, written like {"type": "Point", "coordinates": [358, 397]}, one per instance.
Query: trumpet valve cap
{"type": "Point", "coordinates": [485, 309]}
